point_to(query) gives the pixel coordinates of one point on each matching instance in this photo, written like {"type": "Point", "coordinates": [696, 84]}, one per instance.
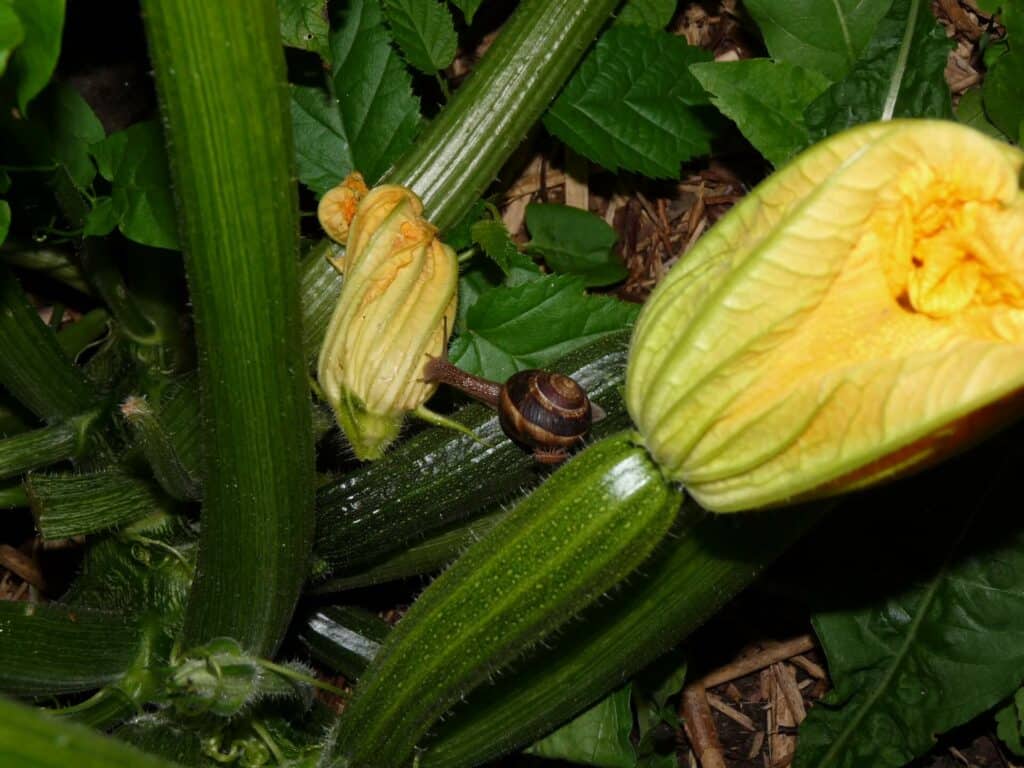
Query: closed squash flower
{"type": "Point", "coordinates": [396, 307]}
{"type": "Point", "coordinates": [859, 314]}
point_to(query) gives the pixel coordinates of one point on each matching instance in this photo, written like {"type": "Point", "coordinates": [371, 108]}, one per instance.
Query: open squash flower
{"type": "Point", "coordinates": [396, 307]}
{"type": "Point", "coordinates": [859, 314]}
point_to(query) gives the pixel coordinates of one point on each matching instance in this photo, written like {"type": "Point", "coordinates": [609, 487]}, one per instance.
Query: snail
{"type": "Point", "coordinates": [546, 413]}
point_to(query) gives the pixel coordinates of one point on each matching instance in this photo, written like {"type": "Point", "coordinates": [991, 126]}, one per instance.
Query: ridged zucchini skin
{"type": "Point", "coordinates": [702, 564]}
{"type": "Point", "coordinates": [441, 476]}
{"type": "Point", "coordinates": [580, 533]}
{"type": "Point", "coordinates": [343, 638]}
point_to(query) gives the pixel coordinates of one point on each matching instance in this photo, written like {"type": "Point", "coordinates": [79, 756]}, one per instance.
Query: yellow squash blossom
{"type": "Point", "coordinates": [859, 314]}
{"type": "Point", "coordinates": [396, 307]}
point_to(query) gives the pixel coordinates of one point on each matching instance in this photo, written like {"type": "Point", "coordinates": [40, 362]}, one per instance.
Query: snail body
{"type": "Point", "coordinates": [546, 413]}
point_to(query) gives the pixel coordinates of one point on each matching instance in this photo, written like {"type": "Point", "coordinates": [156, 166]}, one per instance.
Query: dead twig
{"type": "Point", "coordinates": [700, 727]}
{"type": "Point", "coordinates": [758, 661]}
{"type": "Point", "coordinates": [22, 565]}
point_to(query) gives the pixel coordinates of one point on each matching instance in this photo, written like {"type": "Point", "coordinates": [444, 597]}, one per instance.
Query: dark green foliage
{"type": "Point", "coordinates": [630, 105]}
{"type": "Point", "coordinates": [575, 242]}
{"type": "Point", "coordinates": [900, 74]}
{"type": "Point", "coordinates": [927, 640]}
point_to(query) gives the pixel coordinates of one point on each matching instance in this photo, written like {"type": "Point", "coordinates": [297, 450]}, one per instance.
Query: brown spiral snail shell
{"type": "Point", "coordinates": [546, 413]}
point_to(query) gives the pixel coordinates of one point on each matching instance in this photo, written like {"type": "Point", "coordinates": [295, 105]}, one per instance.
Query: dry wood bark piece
{"type": "Point", "coordinates": [700, 727]}
{"type": "Point", "coordinates": [758, 661]}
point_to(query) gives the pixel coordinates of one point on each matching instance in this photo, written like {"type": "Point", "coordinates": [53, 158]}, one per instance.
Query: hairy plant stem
{"type": "Point", "coordinates": [221, 81]}
{"type": "Point", "coordinates": [33, 367]}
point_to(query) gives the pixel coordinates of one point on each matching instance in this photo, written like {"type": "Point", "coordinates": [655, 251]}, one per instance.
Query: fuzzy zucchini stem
{"type": "Point", "coordinates": [220, 77]}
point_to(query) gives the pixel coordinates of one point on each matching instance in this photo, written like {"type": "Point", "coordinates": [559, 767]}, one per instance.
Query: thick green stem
{"type": "Point", "coordinates": [12, 495]}
{"type": "Point", "coordinates": [49, 649]}
{"type": "Point", "coordinates": [166, 428]}
{"type": "Point", "coordinates": [77, 336]}
{"type": "Point", "coordinates": [33, 367]}
{"type": "Point", "coordinates": [32, 739]}
{"type": "Point", "coordinates": [319, 287]}
{"type": "Point", "coordinates": [426, 556]}
{"type": "Point", "coordinates": [44, 446]}
{"type": "Point", "coordinates": [464, 147]}
{"type": "Point", "coordinates": [50, 263]}
{"type": "Point", "coordinates": [68, 505]}
{"type": "Point", "coordinates": [343, 638]}
{"type": "Point", "coordinates": [220, 77]}
{"type": "Point", "coordinates": [103, 710]}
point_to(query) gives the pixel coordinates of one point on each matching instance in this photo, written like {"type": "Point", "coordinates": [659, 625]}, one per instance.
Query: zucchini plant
{"type": "Point", "coordinates": [853, 318]}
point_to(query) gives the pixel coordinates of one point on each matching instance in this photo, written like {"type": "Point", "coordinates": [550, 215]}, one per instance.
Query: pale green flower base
{"type": "Point", "coordinates": [368, 433]}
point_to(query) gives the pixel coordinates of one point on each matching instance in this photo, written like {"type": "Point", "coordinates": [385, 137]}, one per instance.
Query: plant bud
{"type": "Point", "coordinates": [857, 315]}
{"type": "Point", "coordinates": [395, 310]}
{"type": "Point", "coordinates": [338, 206]}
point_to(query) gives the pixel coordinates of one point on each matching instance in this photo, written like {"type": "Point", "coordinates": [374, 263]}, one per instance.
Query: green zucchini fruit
{"type": "Point", "coordinates": [343, 638]}
{"type": "Point", "coordinates": [441, 476]}
{"type": "Point", "coordinates": [579, 534]}
{"type": "Point", "coordinates": [427, 556]}
{"type": "Point", "coordinates": [703, 564]}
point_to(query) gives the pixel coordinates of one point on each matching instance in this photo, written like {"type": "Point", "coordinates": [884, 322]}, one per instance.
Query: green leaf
{"type": "Point", "coordinates": [57, 133]}
{"type": "Point", "coordinates": [827, 37]}
{"type": "Point", "coordinates": [1010, 724]}
{"type": "Point", "coordinates": [598, 737]}
{"type": "Point", "coordinates": [971, 111]}
{"type": "Point", "coordinates": [304, 25]}
{"type": "Point", "coordinates": [575, 242]}
{"type": "Point", "coordinates": [507, 266]}
{"type": "Point", "coordinates": [1011, 16]}
{"type": "Point", "coordinates": [5, 220]}
{"type": "Point", "coordinates": [11, 32]}
{"type": "Point", "coordinates": [662, 679]}
{"type": "Point", "coordinates": [1004, 91]}
{"type": "Point", "coordinates": [655, 14]}
{"type": "Point", "coordinates": [942, 639]}
{"type": "Point", "coordinates": [424, 31]}
{"type": "Point", "coordinates": [482, 278]}
{"type": "Point", "coordinates": [630, 103]}
{"type": "Point", "coordinates": [497, 245]}
{"type": "Point", "coordinates": [33, 62]}
{"type": "Point", "coordinates": [468, 8]}
{"type": "Point", "coordinates": [533, 324]}
{"type": "Point", "coordinates": [379, 112]}
{"type": "Point", "coordinates": [766, 100]}
{"type": "Point", "coordinates": [901, 74]}
{"type": "Point", "coordinates": [657, 720]}
{"type": "Point", "coordinates": [102, 218]}
{"type": "Point", "coordinates": [322, 152]}
{"type": "Point", "coordinates": [459, 235]}
{"type": "Point", "coordinates": [135, 162]}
